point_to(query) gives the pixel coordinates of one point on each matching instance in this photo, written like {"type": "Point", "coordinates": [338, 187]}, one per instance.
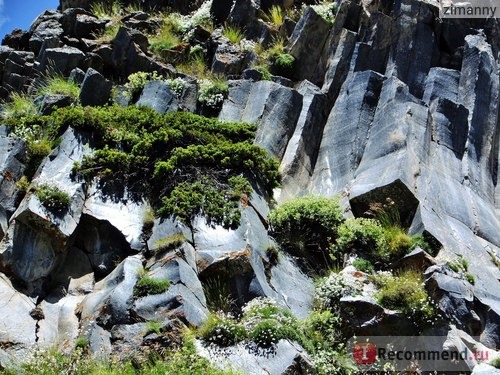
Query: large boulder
{"type": "Point", "coordinates": [95, 89]}
{"type": "Point", "coordinates": [158, 96]}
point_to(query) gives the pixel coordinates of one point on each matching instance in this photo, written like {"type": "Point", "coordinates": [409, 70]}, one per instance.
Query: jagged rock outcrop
{"type": "Point", "coordinates": [388, 102]}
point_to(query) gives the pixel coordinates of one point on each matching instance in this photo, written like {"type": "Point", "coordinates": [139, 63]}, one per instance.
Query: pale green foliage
{"type": "Point", "coordinates": [327, 10]}
{"type": "Point", "coordinates": [330, 289]}
{"type": "Point", "coordinates": [212, 92]}
{"type": "Point", "coordinates": [275, 15]}
{"type": "Point", "coordinates": [233, 33]}
{"type": "Point", "coordinates": [57, 84]}
{"type": "Point", "coordinates": [19, 105]}
{"type": "Point", "coordinates": [52, 197]}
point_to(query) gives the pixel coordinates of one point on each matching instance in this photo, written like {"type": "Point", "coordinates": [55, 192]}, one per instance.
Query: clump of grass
{"type": "Point", "coordinates": [195, 66]}
{"type": "Point", "coordinates": [147, 285]}
{"type": "Point", "coordinates": [166, 38]}
{"type": "Point", "coordinates": [82, 342]}
{"type": "Point", "coordinates": [470, 278]}
{"type": "Point", "coordinates": [222, 330]}
{"type": "Point", "coordinates": [275, 16]}
{"type": "Point", "coordinates": [154, 327]}
{"type": "Point", "coordinates": [23, 184]}
{"type": "Point", "coordinates": [19, 105]}
{"type": "Point", "coordinates": [57, 84]}
{"type": "Point", "coordinates": [233, 33]}
{"type": "Point", "coordinates": [106, 9]}
{"type": "Point", "coordinates": [169, 243]}
{"type": "Point", "coordinates": [218, 295]}
{"type": "Point", "coordinates": [52, 197]}
{"type": "Point", "coordinates": [109, 33]}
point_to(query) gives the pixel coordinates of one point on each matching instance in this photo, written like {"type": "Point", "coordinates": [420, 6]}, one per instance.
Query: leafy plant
{"type": "Point", "coordinates": [406, 293]}
{"type": "Point", "coordinates": [363, 265]}
{"type": "Point", "coordinates": [52, 197]}
{"type": "Point", "coordinates": [306, 224]}
{"type": "Point", "coordinates": [82, 342]}
{"type": "Point", "coordinates": [147, 285]}
{"type": "Point", "coordinates": [233, 33]}
{"type": "Point", "coordinates": [222, 330]}
{"type": "Point", "coordinates": [283, 64]}
{"type": "Point", "coordinates": [23, 184]}
{"type": "Point", "coordinates": [264, 70]}
{"type": "Point", "coordinates": [326, 10]}
{"type": "Point", "coordinates": [212, 92]}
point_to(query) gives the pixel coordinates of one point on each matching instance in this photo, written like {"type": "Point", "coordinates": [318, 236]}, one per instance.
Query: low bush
{"type": "Point", "coordinates": [330, 289]}
{"type": "Point", "coordinates": [222, 330]}
{"type": "Point", "coordinates": [326, 10]}
{"type": "Point", "coordinates": [283, 64]}
{"type": "Point", "coordinates": [306, 224]}
{"type": "Point", "coordinates": [212, 92]}
{"type": "Point", "coordinates": [52, 197]}
{"type": "Point", "coordinates": [363, 265]}
{"type": "Point", "coordinates": [406, 293]}
{"type": "Point", "coordinates": [360, 235]}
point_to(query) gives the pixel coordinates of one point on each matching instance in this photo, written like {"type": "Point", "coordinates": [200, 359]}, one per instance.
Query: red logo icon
{"type": "Point", "coordinates": [365, 353]}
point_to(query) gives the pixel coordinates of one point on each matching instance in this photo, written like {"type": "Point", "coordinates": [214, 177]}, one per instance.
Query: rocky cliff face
{"type": "Point", "coordinates": [387, 102]}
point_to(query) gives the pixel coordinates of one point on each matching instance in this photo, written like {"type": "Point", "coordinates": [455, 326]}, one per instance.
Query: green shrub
{"type": "Point", "coordinates": [233, 33]}
{"type": "Point", "coordinates": [306, 224]}
{"type": "Point", "coordinates": [363, 265]}
{"type": "Point", "coordinates": [137, 81]}
{"type": "Point", "coordinates": [406, 293]}
{"type": "Point", "coordinates": [212, 92]}
{"type": "Point", "coordinates": [329, 290]}
{"type": "Point", "coordinates": [327, 10]}
{"type": "Point", "coordinates": [264, 70]}
{"type": "Point", "coordinates": [322, 329]}
{"type": "Point", "coordinates": [283, 65]}
{"type": "Point", "coordinates": [52, 197]}
{"type": "Point", "coordinates": [82, 342]}
{"type": "Point", "coordinates": [495, 362]}
{"type": "Point", "coordinates": [23, 184]}
{"type": "Point", "coordinates": [147, 285]}
{"type": "Point", "coordinates": [360, 235]}
{"type": "Point", "coordinates": [398, 244]}
{"type": "Point", "coordinates": [222, 331]}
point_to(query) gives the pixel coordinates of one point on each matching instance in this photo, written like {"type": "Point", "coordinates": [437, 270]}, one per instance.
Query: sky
{"type": "Point", "coordinates": [21, 13]}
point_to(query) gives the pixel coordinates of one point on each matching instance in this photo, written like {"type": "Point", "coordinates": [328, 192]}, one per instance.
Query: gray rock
{"type": "Point", "coordinates": [62, 60]}
{"type": "Point", "coordinates": [441, 83]}
{"type": "Point", "coordinates": [48, 103]}
{"type": "Point", "coordinates": [284, 358]}
{"type": "Point", "coordinates": [66, 4]}
{"type": "Point", "coordinates": [12, 166]}
{"type": "Point", "coordinates": [37, 234]}
{"type": "Point", "coordinates": [79, 23]}
{"type": "Point", "coordinates": [95, 90]}
{"type": "Point", "coordinates": [46, 29]}
{"type": "Point", "coordinates": [273, 107]}
{"type": "Point", "coordinates": [111, 300]}
{"type": "Point", "coordinates": [158, 96]}
{"type": "Point", "coordinates": [77, 76]}
{"type": "Point", "coordinates": [229, 59]}
{"type": "Point", "coordinates": [310, 30]}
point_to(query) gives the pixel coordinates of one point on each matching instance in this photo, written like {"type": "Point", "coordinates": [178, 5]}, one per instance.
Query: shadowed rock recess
{"type": "Point", "coordinates": [383, 103]}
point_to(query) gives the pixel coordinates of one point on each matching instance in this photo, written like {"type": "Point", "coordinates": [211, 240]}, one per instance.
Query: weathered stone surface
{"type": "Point", "coordinates": [79, 23]}
{"type": "Point", "coordinates": [50, 102]}
{"type": "Point", "coordinates": [273, 107]}
{"type": "Point", "coordinates": [37, 234]}
{"type": "Point", "coordinates": [95, 90]}
{"type": "Point", "coordinates": [229, 59]}
{"type": "Point", "coordinates": [301, 151]}
{"type": "Point", "coordinates": [62, 59]}
{"type": "Point", "coordinates": [18, 327]}
{"type": "Point", "coordinates": [441, 83]}
{"type": "Point", "coordinates": [45, 29]}
{"type": "Point", "coordinates": [12, 166]}
{"type": "Point", "coordinates": [18, 39]}
{"type": "Point", "coordinates": [60, 326]}
{"type": "Point", "coordinates": [284, 357]}
{"type": "Point", "coordinates": [158, 96]}
{"type": "Point", "coordinates": [311, 29]}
